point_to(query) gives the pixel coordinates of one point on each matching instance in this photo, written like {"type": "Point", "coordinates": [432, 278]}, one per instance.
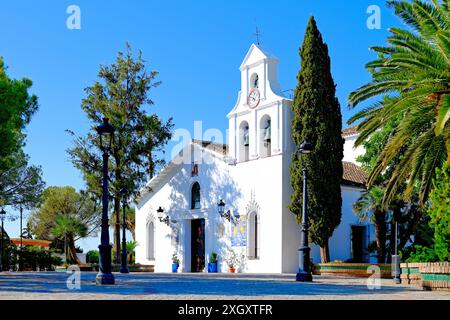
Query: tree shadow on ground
{"type": "Point", "coordinates": [186, 284]}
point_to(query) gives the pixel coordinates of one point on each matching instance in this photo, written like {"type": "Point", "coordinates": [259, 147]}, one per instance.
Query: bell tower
{"type": "Point", "coordinates": [261, 116]}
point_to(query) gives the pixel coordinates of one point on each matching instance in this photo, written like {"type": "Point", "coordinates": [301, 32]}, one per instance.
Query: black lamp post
{"type": "Point", "coordinates": [104, 276]}
{"type": "Point", "coordinates": [123, 258]}
{"type": "Point", "coordinates": [222, 213]}
{"type": "Point", "coordinates": [304, 269]}
{"type": "Point", "coordinates": [21, 238]}
{"type": "Point", "coordinates": [2, 218]}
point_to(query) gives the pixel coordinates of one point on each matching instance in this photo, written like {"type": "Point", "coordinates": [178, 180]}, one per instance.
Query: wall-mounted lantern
{"type": "Point", "coordinates": [161, 216]}
{"type": "Point", "coordinates": [222, 213]}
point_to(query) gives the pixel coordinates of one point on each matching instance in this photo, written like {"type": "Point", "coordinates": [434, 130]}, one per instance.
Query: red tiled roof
{"type": "Point", "coordinates": [31, 242]}
{"type": "Point", "coordinates": [349, 131]}
{"type": "Point", "coordinates": [353, 174]}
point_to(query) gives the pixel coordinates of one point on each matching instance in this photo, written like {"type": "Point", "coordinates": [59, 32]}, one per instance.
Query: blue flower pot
{"type": "Point", "coordinates": [174, 267]}
{"type": "Point", "coordinates": [212, 267]}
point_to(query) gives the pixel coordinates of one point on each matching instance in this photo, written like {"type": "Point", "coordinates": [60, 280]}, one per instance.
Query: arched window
{"type": "Point", "coordinates": [253, 237]}
{"type": "Point", "coordinates": [150, 240]}
{"type": "Point", "coordinates": [244, 142]}
{"type": "Point", "coordinates": [195, 196]}
{"type": "Point", "coordinates": [265, 145]}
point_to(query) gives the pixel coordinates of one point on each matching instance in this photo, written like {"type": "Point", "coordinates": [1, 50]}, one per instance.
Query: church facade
{"type": "Point", "coordinates": [177, 212]}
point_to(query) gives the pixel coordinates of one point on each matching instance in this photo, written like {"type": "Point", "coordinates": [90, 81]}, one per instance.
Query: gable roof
{"type": "Point", "coordinates": [254, 47]}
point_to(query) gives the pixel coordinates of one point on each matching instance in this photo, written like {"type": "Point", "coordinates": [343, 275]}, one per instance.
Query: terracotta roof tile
{"type": "Point", "coordinates": [353, 174]}
{"type": "Point", "coordinates": [31, 242]}
{"type": "Point", "coordinates": [349, 131]}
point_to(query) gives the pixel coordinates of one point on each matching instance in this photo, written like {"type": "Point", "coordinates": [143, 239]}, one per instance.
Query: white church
{"type": "Point", "coordinates": [178, 213]}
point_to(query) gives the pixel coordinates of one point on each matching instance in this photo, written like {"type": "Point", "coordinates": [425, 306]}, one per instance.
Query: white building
{"type": "Point", "coordinates": [251, 175]}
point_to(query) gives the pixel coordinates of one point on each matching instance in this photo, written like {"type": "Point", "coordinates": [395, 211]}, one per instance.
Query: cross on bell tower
{"type": "Point", "coordinates": [257, 34]}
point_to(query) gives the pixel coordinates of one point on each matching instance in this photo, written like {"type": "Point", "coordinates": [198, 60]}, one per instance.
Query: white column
{"type": "Point", "coordinates": [266, 81]}
{"type": "Point", "coordinates": [256, 137]}
{"type": "Point", "coordinates": [279, 126]}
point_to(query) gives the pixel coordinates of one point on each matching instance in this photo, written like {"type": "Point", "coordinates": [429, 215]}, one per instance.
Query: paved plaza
{"type": "Point", "coordinates": [53, 285]}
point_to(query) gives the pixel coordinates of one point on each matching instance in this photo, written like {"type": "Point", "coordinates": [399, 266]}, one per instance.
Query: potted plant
{"type": "Point", "coordinates": [212, 265]}
{"type": "Point", "coordinates": [175, 263]}
{"type": "Point", "coordinates": [231, 261]}
{"type": "Point", "coordinates": [240, 263]}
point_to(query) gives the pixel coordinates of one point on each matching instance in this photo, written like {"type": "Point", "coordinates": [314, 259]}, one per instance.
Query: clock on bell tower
{"type": "Point", "coordinates": [257, 122]}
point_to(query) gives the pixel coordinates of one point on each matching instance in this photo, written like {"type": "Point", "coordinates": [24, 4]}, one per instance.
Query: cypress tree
{"type": "Point", "coordinates": [317, 119]}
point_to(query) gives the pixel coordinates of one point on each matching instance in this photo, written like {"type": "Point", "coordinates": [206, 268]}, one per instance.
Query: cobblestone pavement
{"type": "Point", "coordinates": [52, 285]}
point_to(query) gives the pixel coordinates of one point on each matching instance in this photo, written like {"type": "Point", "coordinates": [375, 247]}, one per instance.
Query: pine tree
{"type": "Point", "coordinates": [122, 94]}
{"type": "Point", "coordinates": [21, 184]}
{"type": "Point", "coordinates": [317, 119]}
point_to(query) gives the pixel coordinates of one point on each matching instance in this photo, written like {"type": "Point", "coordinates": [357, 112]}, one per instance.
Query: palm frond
{"type": "Point", "coordinates": [443, 109]}
{"type": "Point", "coordinates": [405, 11]}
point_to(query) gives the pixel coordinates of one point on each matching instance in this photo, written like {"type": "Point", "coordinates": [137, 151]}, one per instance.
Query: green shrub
{"type": "Point", "coordinates": [37, 258]}
{"type": "Point", "coordinates": [33, 258]}
{"type": "Point", "coordinates": [10, 258]}
{"type": "Point", "coordinates": [438, 212]}
{"type": "Point", "coordinates": [175, 259]}
{"type": "Point", "coordinates": [92, 256]}
{"type": "Point", "coordinates": [213, 257]}
{"type": "Point", "coordinates": [422, 254]}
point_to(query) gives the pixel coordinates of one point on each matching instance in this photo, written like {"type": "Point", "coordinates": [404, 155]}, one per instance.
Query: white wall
{"type": "Point", "coordinates": [218, 180]}
{"type": "Point", "coordinates": [340, 242]}
{"type": "Point", "coordinates": [350, 152]}
{"type": "Point", "coordinates": [263, 178]}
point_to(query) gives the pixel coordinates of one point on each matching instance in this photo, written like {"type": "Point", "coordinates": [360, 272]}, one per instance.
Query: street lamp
{"type": "Point", "coordinates": [2, 218]}
{"type": "Point", "coordinates": [21, 238]}
{"type": "Point", "coordinates": [304, 269]}
{"type": "Point", "coordinates": [123, 259]}
{"type": "Point", "coordinates": [104, 276]}
{"type": "Point", "coordinates": [221, 210]}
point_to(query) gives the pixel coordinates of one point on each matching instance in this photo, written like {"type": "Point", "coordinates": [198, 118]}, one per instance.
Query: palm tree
{"type": "Point", "coordinates": [130, 222]}
{"type": "Point", "coordinates": [370, 206]}
{"type": "Point", "coordinates": [131, 248]}
{"type": "Point", "coordinates": [412, 74]}
{"type": "Point", "coordinates": [70, 229]}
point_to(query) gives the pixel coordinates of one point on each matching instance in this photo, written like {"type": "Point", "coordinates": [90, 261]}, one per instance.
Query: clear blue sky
{"type": "Point", "coordinates": [197, 46]}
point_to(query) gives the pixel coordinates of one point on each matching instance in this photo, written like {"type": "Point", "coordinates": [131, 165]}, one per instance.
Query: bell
{"type": "Point", "coordinates": [246, 139]}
